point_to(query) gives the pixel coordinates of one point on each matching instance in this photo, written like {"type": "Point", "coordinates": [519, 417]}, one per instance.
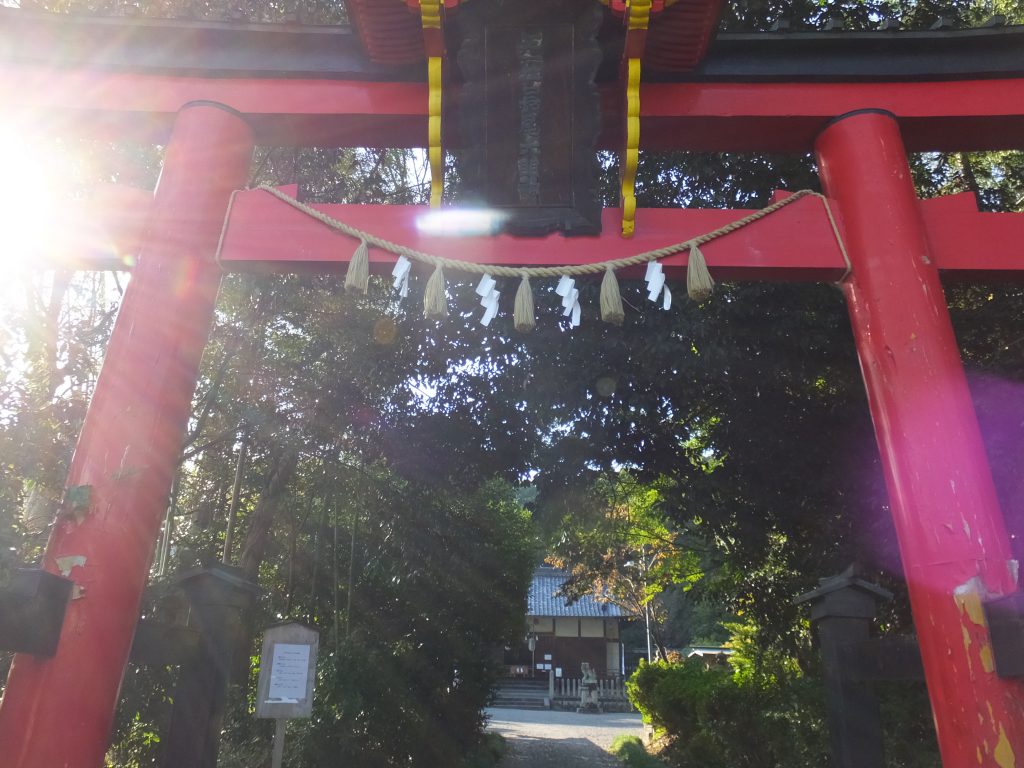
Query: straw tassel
{"type": "Point", "coordinates": [435, 298]}
{"type": "Point", "coordinates": [699, 283]}
{"type": "Point", "coordinates": [357, 279]}
{"type": "Point", "coordinates": [611, 299]}
{"type": "Point", "coordinates": [522, 316]}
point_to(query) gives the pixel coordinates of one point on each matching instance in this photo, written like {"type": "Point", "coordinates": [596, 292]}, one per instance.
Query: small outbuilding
{"type": "Point", "coordinates": [710, 655]}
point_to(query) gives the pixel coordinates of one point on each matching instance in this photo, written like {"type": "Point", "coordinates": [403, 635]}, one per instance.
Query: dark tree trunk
{"type": "Point", "coordinates": [262, 518]}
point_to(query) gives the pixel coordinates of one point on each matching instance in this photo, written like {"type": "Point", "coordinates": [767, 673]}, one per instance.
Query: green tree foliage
{"type": "Point", "coordinates": [404, 680]}
{"type": "Point", "coordinates": [864, 14]}
{"type": "Point", "coordinates": [425, 625]}
{"type": "Point", "coordinates": [411, 604]}
{"type": "Point", "coordinates": [619, 544]}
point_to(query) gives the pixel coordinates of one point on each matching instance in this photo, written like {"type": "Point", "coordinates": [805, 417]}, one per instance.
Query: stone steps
{"type": "Point", "coordinates": [521, 694]}
{"type": "Point", "coordinates": [533, 704]}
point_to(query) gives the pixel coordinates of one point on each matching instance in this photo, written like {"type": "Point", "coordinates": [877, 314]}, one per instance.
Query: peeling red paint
{"type": "Point", "coordinates": [1004, 755]}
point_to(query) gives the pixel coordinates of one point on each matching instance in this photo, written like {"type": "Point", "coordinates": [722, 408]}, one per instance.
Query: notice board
{"type": "Point", "coordinates": [287, 671]}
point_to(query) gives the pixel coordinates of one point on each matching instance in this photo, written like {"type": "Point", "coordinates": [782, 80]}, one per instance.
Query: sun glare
{"type": "Point", "coordinates": [36, 177]}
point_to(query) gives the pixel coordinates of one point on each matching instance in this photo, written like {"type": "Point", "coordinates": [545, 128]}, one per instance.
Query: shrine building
{"type": "Point", "coordinates": [567, 633]}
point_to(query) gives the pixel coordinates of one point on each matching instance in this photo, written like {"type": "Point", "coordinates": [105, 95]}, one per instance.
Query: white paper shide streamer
{"type": "Point", "coordinates": [566, 288]}
{"type": "Point", "coordinates": [656, 285]}
{"type": "Point", "coordinates": [401, 274]}
{"type": "Point", "coordinates": [488, 299]}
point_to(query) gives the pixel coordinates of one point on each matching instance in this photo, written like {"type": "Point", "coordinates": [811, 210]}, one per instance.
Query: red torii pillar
{"type": "Point", "coordinates": [953, 542]}
{"type": "Point", "coordinates": [57, 712]}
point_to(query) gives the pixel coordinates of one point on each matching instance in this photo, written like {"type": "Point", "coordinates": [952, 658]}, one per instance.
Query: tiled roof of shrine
{"type": "Point", "coordinates": [544, 599]}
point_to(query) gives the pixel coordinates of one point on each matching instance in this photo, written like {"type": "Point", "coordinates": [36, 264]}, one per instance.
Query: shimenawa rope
{"type": "Point", "coordinates": [698, 278]}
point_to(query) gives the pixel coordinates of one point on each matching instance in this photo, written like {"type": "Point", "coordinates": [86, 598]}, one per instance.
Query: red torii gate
{"type": "Point", "coordinates": [58, 711]}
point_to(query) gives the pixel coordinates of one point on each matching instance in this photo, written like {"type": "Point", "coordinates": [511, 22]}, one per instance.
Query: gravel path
{"type": "Point", "coordinates": [560, 739]}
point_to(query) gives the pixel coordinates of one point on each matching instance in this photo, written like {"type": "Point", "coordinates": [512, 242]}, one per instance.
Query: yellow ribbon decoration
{"type": "Point", "coordinates": [667, 2]}
{"type": "Point", "coordinates": [434, 132]}
{"type": "Point", "coordinates": [430, 14]}
{"type": "Point", "coordinates": [639, 15]}
{"type": "Point", "coordinates": [632, 151]}
{"type": "Point", "coordinates": [430, 17]}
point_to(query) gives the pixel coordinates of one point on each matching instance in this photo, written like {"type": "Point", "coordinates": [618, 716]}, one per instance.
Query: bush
{"type": "Point", "coordinates": [670, 696]}
{"type": "Point", "coordinates": [766, 716]}
{"type": "Point", "coordinates": [713, 719]}
{"type": "Point", "coordinates": [631, 751]}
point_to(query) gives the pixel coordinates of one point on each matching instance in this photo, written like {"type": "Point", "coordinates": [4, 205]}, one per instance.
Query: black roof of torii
{"type": "Point", "coordinates": [241, 49]}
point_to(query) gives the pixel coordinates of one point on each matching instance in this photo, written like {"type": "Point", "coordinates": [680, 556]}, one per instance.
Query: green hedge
{"type": "Point", "coordinates": [714, 720]}
{"type": "Point", "coordinates": [744, 718]}
{"type": "Point", "coordinates": [631, 751]}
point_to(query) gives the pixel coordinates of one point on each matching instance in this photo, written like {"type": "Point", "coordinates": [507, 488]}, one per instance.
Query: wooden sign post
{"type": "Point", "coordinates": [287, 673]}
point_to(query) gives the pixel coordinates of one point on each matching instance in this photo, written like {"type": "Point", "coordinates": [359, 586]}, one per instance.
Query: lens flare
{"type": "Point", "coordinates": [461, 222]}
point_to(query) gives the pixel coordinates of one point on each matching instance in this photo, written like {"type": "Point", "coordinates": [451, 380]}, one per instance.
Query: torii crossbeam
{"type": "Point", "coordinates": [860, 104]}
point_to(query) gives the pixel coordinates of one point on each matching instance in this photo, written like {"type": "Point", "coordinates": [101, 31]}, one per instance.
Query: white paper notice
{"type": "Point", "coordinates": [289, 672]}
